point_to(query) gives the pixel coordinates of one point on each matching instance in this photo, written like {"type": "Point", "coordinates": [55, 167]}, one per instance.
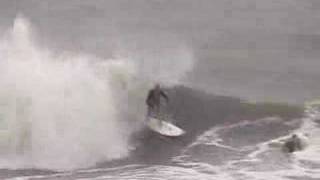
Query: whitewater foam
{"type": "Point", "coordinates": [66, 111]}
{"type": "Point", "coordinates": [311, 134]}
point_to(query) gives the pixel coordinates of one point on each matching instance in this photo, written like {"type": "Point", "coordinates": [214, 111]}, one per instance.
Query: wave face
{"type": "Point", "coordinates": [226, 139]}
{"type": "Point", "coordinates": [65, 111]}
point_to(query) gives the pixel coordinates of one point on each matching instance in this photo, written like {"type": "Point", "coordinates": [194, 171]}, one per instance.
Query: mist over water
{"type": "Point", "coordinates": [64, 110]}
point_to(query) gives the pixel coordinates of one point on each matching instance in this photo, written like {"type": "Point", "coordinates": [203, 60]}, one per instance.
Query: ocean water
{"type": "Point", "coordinates": [242, 77]}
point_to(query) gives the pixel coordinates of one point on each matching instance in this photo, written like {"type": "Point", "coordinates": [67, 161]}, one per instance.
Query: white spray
{"type": "Point", "coordinates": [64, 111]}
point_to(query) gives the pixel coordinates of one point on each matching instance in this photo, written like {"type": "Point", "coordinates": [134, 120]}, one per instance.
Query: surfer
{"type": "Point", "coordinates": [153, 121]}
{"type": "Point", "coordinates": [154, 98]}
{"type": "Point", "coordinates": [293, 144]}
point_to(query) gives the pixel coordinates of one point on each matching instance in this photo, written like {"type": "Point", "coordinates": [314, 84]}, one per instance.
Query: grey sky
{"type": "Point", "coordinates": [264, 50]}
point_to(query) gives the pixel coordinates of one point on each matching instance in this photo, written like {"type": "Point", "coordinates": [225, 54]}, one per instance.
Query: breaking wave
{"type": "Point", "coordinates": [66, 111]}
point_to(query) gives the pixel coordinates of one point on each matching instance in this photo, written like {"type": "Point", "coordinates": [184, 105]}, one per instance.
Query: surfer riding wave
{"type": "Point", "coordinates": [153, 100]}
{"type": "Point", "coordinates": [154, 121]}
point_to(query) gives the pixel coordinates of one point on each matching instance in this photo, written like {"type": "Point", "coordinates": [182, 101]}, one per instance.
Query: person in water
{"type": "Point", "coordinates": [293, 144]}
{"type": "Point", "coordinates": [153, 100]}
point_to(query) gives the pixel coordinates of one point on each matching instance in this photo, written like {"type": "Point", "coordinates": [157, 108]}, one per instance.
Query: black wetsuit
{"type": "Point", "coordinates": [293, 144]}
{"type": "Point", "coordinates": [153, 100]}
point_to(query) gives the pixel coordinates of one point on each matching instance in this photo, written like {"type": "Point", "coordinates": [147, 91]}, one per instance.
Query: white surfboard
{"type": "Point", "coordinates": [164, 128]}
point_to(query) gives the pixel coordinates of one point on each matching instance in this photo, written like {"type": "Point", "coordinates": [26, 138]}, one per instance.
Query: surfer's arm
{"type": "Point", "coordinates": [149, 98]}
{"type": "Point", "coordinates": [163, 94]}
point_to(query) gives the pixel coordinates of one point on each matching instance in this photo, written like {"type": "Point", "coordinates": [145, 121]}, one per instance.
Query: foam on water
{"type": "Point", "coordinates": [66, 111]}
{"type": "Point", "coordinates": [264, 160]}
{"type": "Point", "coordinates": [311, 130]}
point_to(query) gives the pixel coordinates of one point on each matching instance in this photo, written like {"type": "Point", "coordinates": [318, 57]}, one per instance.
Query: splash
{"type": "Point", "coordinates": [66, 111]}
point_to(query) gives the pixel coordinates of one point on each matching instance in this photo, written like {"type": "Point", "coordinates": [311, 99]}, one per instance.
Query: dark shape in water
{"type": "Point", "coordinates": [293, 144]}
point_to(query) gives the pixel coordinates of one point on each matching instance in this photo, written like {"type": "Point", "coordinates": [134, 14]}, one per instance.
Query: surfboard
{"type": "Point", "coordinates": [164, 128]}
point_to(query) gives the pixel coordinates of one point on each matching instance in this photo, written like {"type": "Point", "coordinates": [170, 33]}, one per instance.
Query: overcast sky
{"type": "Point", "coordinates": [264, 50]}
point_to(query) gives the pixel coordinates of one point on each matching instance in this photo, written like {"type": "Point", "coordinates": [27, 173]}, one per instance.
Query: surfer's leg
{"type": "Point", "coordinates": [158, 114]}
{"type": "Point", "coordinates": [157, 111]}
{"type": "Point", "coordinates": [151, 112]}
